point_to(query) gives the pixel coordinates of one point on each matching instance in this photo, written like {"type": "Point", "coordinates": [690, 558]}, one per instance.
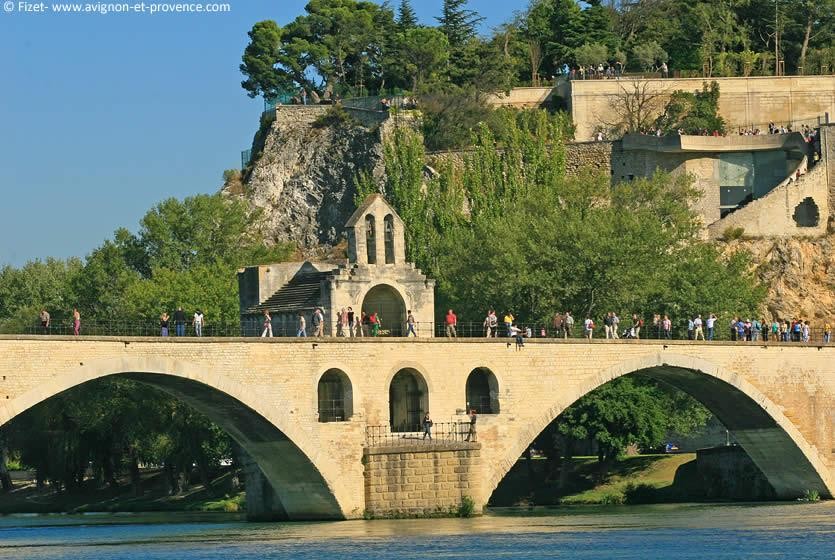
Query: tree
{"type": "Point", "coordinates": [649, 54]}
{"type": "Point", "coordinates": [635, 108]}
{"type": "Point", "coordinates": [259, 61]}
{"type": "Point", "coordinates": [425, 52]}
{"type": "Point", "coordinates": [458, 23]}
{"type": "Point", "coordinates": [591, 54]}
{"type": "Point", "coordinates": [406, 16]}
{"type": "Point", "coordinates": [693, 112]}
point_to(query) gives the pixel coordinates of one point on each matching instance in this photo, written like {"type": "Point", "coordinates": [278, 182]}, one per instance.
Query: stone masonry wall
{"type": "Point", "coordinates": [420, 479]}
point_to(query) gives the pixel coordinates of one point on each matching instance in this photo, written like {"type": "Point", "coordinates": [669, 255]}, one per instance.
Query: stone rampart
{"type": "Point", "coordinates": [752, 101]}
{"type": "Point", "coordinates": [420, 479]}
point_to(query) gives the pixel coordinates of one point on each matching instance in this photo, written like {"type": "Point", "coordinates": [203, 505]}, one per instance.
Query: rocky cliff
{"type": "Point", "coordinates": [303, 178]}
{"type": "Point", "coordinates": [799, 274]}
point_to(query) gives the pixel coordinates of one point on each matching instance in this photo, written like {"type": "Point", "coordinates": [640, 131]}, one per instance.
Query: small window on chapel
{"type": "Point", "coordinates": [389, 239]}
{"type": "Point", "coordinates": [370, 239]}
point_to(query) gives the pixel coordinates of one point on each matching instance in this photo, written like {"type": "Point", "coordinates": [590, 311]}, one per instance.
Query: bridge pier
{"type": "Point", "coordinates": [262, 502]}
{"type": "Point", "coordinates": [420, 479]}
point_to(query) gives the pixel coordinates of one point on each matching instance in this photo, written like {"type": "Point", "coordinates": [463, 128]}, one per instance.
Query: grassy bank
{"type": "Point", "coordinates": [220, 497]}
{"type": "Point", "coordinates": [637, 479]}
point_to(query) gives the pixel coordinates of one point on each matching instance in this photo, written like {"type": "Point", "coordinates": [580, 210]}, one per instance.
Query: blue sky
{"type": "Point", "coordinates": [102, 116]}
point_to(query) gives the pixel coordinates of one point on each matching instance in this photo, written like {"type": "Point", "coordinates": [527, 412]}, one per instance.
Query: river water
{"type": "Point", "coordinates": [687, 531]}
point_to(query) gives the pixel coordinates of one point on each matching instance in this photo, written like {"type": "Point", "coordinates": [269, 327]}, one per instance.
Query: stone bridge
{"type": "Point", "coordinates": [300, 408]}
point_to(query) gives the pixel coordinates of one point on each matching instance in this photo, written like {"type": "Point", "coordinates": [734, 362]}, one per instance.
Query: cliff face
{"type": "Point", "coordinates": [304, 178]}
{"type": "Point", "coordinates": [799, 274]}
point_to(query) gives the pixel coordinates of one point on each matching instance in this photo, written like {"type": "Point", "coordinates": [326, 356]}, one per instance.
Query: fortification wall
{"type": "Point", "coordinates": [742, 101]}
{"type": "Point", "coordinates": [420, 479]}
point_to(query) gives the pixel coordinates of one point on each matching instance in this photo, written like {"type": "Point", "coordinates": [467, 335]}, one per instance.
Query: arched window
{"type": "Point", "coordinates": [408, 401]}
{"type": "Point", "coordinates": [371, 239]}
{"type": "Point", "coordinates": [388, 223]}
{"type": "Point", "coordinates": [336, 400]}
{"type": "Point", "coordinates": [482, 391]}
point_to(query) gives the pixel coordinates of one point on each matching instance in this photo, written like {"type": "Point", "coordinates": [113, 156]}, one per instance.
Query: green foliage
{"type": "Point", "coordinates": [424, 54]}
{"type": "Point", "coordinates": [640, 494]}
{"type": "Point", "coordinates": [649, 54]}
{"type": "Point", "coordinates": [733, 233]}
{"type": "Point", "coordinates": [811, 496]}
{"type": "Point", "coordinates": [406, 16]}
{"type": "Point", "coordinates": [591, 54]}
{"type": "Point", "coordinates": [467, 507]}
{"type": "Point", "coordinates": [37, 285]}
{"type": "Point", "coordinates": [450, 118]}
{"type": "Point", "coordinates": [259, 58]}
{"type": "Point", "coordinates": [693, 112]}
{"type": "Point", "coordinates": [336, 115]}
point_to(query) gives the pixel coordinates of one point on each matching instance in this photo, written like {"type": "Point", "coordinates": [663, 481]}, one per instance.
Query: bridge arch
{"type": "Point", "coordinates": [268, 435]}
{"type": "Point", "coordinates": [772, 442]}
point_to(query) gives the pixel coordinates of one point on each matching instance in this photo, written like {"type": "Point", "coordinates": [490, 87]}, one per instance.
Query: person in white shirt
{"type": "Point", "coordinates": [198, 323]}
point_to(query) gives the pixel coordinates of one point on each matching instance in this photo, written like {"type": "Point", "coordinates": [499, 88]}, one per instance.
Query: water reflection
{"type": "Point", "coordinates": [660, 531]}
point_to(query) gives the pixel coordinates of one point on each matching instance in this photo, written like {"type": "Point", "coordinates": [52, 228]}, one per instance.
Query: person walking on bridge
{"type": "Point", "coordinates": [451, 322]}
{"type": "Point", "coordinates": [568, 323]}
{"type": "Point", "coordinates": [268, 325]}
{"type": "Point", "coordinates": [491, 324]}
{"type": "Point", "coordinates": [76, 321]}
{"type": "Point", "coordinates": [163, 324]}
{"type": "Point", "coordinates": [473, 419]}
{"type": "Point", "coordinates": [302, 326]}
{"type": "Point", "coordinates": [197, 322]}
{"type": "Point", "coordinates": [318, 321]}
{"type": "Point", "coordinates": [427, 426]}
{"type": "Point", "coordinates": [699, 331]}
{"type": "Point", "coordinates": [44, 317]}
{"type": "Point", "coordinates": [410, 325]}
{"type": "Point", "coordinates": [180, 322]}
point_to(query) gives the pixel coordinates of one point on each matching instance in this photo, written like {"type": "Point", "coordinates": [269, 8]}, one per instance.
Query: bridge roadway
{"type": "Point", "coordinates": [777, 399]}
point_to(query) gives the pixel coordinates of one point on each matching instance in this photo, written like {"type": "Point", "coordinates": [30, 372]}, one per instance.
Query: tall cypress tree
{"type": "Point", "coordinates": [458, 23]}
{"type": "Point", "coordinates": [406, 17]}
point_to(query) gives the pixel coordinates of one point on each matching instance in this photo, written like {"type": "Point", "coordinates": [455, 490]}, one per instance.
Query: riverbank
{"type": "Point", "coordinates": [583, 480]}
{"type": "Point", "coordinates": [222, 496]}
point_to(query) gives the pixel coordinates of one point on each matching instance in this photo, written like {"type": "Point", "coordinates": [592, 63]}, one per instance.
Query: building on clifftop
{"type": "Point", "coordinates": [375, 278]}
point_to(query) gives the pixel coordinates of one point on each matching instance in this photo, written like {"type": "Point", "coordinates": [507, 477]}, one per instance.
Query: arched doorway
{"type": "Point", "coordinates": [335, 397]}
{"type": "Point", "coordinates": [408, 401]}
{"type": "Point", "coordinates": [390, 309]}
{"type": "Point", "coordinates": [482, 391]}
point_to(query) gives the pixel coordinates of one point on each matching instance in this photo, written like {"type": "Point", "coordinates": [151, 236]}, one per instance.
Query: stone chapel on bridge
{"type": "Point", "coordinates": [375, 278]}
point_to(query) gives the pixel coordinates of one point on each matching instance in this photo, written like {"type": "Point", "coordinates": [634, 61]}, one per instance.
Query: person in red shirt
{"type": "Point", "coordinates": [451, 322]}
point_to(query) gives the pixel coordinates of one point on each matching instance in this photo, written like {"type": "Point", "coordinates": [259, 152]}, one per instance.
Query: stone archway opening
{"type": "Point", "coordinates": [390, 308]}
{"type": "Point", "coordinates": [408, 401]}
{"type": "Point", "coordinates": [335, 396]}
{"type": "Point", "coordinates": [482, 391]}
{"type": "Point", "coordinates": [776, 461]}
{"type": "Point", "coordinates": [281, 480]}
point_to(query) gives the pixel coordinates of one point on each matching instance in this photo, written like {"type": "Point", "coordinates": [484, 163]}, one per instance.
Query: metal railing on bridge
{"type": "Point", "coordinates": [382, 435]}
{"type": "Point", "coordinates": [519, 333]}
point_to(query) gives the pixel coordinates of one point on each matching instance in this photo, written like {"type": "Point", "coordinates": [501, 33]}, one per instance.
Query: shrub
{"type": "Point", "coordinates": [335, 115]}
{"type": "Point", "coordinates": [733, 233]}
{"type": "Point", "coordinates": [810, 496]}
{"type": "Point", "coordinates": [640, 494]}
{"type": "Point", "coordinates": [467, 507]}
{"type": "Point", "coordinates": [612, 499]}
